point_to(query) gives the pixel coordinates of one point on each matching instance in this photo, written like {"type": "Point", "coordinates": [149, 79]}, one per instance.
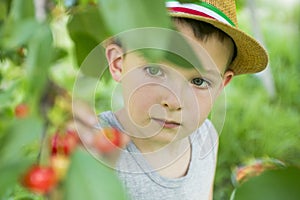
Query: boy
{"type": "Point", "coordinates": [173, 147]}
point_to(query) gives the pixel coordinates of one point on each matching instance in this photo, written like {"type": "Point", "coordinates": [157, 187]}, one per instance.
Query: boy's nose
{"type": "Point", "coordinates": [174, 94]}
{"type": "Point", "coordinates": [172, 103]}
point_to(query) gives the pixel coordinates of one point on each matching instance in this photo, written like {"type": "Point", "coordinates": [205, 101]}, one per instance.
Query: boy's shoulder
{"type": "Point", "coordinates": [108, 118]}
{"type": "Point", "coordinates": [206, 139]}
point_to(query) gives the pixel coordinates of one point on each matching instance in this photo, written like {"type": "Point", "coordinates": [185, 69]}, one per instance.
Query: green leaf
{"type": "Point", "coordinates": [87, 30]}
{"type": "Point", "coordinates": [40, 55]}
{"type": "Point", "coordinates": [136, 14]}
{"type": "Point", "coordinates": [22, 10]}
{"type": "Point", "coordinates": [161, 44]}
{"type": "Point", "coordinates": [11, 172]}
{"type": "Point", "coordinates": [7, 96]}
{"type": "Point", "coordinates": [18, 33]}
{"type": "Point", "coordinates": [145, 26]}
{"type": "Point", "coordinates": [123, 15]}
{"type": "Point", "coordinates": [85, 45]}
{"type": "Point", "coordinates": [85, 2]}
{"type": "Point", "coordinates": [59, 53]}
{"type": "Point", "coordinates": [3, 11]}
{"type": "Point", "coordinates": [273, 184]}
{"type": "Point", "coordinates": [20, 134]}
{"type": "Point", "coordinates": [88, 178]}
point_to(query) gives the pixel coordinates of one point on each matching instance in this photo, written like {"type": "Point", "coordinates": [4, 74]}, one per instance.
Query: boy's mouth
{"type": "Point", "coordinates": [167, 123]}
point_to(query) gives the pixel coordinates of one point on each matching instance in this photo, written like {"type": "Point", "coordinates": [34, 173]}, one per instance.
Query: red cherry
{"type": "Point", "coordinates": [73, 134]}
{"type": "Point", "coordinates": [107, 140]}
{"type": "Point", "coordinates": [69, 141]}
{"type": "Point", "coordinates": [21, 110]}
{"type": "Point", "coordinates": [40, 179]}
{"type": "Point", "coordinates": [63, 143]}
{"type": "Point", "coordinates": [54, 142]}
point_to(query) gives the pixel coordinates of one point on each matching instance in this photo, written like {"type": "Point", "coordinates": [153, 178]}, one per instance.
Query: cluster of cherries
{"type": "Point", "coordinates": [42, 179]}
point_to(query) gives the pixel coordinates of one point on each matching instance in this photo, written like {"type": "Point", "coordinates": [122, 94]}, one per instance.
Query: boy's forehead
{"type": "Point", "coordinates": [207, 67]}
{"type": "Point", "coordinates": [178, 47]}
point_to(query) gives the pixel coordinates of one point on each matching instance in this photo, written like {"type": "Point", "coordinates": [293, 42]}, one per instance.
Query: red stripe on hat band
{"type": "Point", "coordinates": [190, 11]}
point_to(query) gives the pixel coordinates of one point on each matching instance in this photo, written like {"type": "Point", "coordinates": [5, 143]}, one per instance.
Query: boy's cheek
{"type": "Point", "coordinates": [197, 111]}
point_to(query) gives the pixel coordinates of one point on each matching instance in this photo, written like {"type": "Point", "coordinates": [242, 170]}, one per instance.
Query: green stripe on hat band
{"type": "Point", "coordinates": [213, 8]}
{"type": "Point", "coordinates": [207, 6]}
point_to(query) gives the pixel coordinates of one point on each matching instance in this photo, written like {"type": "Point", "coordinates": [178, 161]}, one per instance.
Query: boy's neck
{"type": "Point", "coordinates": [171, 160]}
{"type": "Point", "coordinates": [173, 148]}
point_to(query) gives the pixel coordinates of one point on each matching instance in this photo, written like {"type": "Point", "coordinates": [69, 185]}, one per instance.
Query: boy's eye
{"type": "Point", "coordinates": [154, 70]}
{"type": "Point", "coordinates": [200, 83]}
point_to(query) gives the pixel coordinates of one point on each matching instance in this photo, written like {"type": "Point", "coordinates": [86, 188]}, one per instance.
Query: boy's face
{"type": "Point", "coordinates": [165, 102]}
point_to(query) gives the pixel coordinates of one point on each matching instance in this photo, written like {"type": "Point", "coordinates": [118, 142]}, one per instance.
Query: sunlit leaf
{"type": "Point", "coordinates": [90, 179]}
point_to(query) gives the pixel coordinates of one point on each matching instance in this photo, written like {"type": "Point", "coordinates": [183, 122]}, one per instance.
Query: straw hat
{"type": "Point", "coordinates": [251, 57]}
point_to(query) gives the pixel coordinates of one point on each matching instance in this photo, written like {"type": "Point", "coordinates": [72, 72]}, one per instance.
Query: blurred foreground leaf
{"type": "Point", "coordinates": [19, 32]}
{"type": "Point", "coordinates": [20, 24]}
{"type": "Point", "coordinates": [88, 178]}
{"type": "Point", "coordinates": [22, 9]}
{"type": "Point", "coordinates": [14, 158]}
{"type": "Point", "coordinates": [274, 184]}
{"type": "Point", "coordinates": [20, 133]}
{"type": "Point", "coordinates": [10, 173]}
{"type": "Point", "coordinates": [40, 55]}
{"type": "Point", "coordinates": [147, 27]}
{"type": "Point", "coordinates": [123, 15]}
{"type": "Point", "coordinates": [87, 30]}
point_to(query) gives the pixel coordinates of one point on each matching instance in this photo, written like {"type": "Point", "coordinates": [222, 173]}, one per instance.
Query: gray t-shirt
{"type": "Point", "coordinates": [143, 183]}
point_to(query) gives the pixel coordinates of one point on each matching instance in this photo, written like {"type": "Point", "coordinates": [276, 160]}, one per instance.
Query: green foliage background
{"type": "Point", "coordinates": [257, 126]}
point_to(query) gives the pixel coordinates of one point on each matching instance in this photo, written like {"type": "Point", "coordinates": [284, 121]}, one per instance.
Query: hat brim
{"type": "Point", "coordinates": [251, 56]}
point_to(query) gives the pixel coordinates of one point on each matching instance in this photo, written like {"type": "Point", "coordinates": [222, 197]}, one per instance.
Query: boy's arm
{"type": "Point", "coordinates": [215, 150]}
{"type": "Point", "coordinates": [211, 194]}
{"type": "Point", "coordinates": [85, 122]}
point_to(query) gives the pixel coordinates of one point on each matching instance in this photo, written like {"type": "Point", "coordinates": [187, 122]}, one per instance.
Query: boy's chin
{"type": "Point", "coordinates": [167, 136]}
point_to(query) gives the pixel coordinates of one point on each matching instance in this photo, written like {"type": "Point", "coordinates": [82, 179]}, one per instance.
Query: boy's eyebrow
{"type": "Point", "coordinates": [209, 71]}
{"type": "Point", "coordinates": [203, 71]}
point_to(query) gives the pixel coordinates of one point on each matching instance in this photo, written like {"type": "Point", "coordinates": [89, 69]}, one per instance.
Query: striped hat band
{"type": "Point", "coordinates": [200, 9]}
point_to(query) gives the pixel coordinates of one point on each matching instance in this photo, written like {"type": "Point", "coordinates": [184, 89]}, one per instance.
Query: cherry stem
{"type": "Point", "coordinates": [44, 145]}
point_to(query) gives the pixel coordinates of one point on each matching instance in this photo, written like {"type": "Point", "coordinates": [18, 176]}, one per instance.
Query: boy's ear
{"type": "Point", "coordinates": [228, 75]}
{"type": "Point", "coordinates": [114, 56]}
